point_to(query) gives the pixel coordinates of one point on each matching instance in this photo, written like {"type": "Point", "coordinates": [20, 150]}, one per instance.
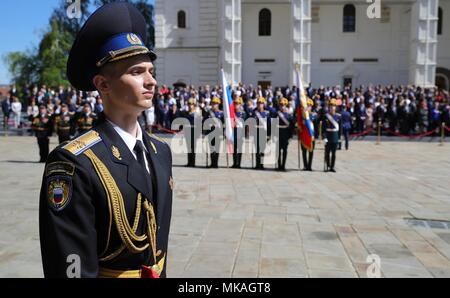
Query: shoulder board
{"type": "Point", "coordinates": [156, 138]}
{"type": "Point", "coordinates": [83, 143]}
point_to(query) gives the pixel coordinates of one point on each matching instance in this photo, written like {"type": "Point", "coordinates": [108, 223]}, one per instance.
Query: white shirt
{"type": "Point", "coordinates": [16, 107]}
{"type": "Point", "coordinates": [130, 140]}
{"type": "Point", "coordinates": [150, 115]}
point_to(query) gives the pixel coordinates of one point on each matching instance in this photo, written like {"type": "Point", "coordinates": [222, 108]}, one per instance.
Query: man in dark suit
{"type": "Point", "coordinates": [106, 197]}
{"type": "Point", "coordinates": [6, 109]}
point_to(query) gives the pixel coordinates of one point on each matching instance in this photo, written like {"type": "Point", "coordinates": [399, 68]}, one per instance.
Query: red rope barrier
{"type": "Point", "coordinates": [410, 136]}
{"type": "Point", "coordinates": [362, 133]}
{"type": "Point", "coordinates": [159, 127]}
{"type": "Point", "coordinates": [447, 128]}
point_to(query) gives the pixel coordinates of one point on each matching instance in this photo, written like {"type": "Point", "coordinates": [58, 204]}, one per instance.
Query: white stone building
{"type": "Point", "coordinates": [333, 41]}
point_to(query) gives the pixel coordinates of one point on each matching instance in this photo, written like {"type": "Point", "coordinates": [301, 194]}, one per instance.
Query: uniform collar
{"type": "Point", "coordinates": [128, 139]}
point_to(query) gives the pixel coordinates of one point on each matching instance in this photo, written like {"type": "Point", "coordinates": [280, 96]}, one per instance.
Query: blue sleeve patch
{"type": "Point", "coordinates": [59, 192]}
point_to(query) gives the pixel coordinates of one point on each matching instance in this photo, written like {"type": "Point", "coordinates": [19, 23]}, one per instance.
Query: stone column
{"type": "Point", "coordinates": [231, 47]}
{"type": "Point", "coordinates": [424, 17]}
{"type": "Point", "coordinates": [301, 40]}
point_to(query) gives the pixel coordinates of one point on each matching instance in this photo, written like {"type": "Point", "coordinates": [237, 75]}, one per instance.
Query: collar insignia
{"type": "Point", "coordinates": [116, 152]}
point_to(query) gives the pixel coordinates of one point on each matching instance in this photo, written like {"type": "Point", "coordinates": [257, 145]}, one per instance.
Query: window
{"type": "Point", "coordinates": [265, 22]}
{"type": "Point", "coordinates": [181, 19]}
{"type": "Point", "coordinates": [439, 27]}
{"type": "Point", "coordinates": [349, 18]}
{"type": "Point", "coordinates": [348, 82]}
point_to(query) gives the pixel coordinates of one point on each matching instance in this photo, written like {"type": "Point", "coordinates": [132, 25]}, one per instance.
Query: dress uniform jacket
{"type": "Point", "coordinates": [333, 132]}
{"type": "Point", "coordinates": [64, 126]}
{"type": "Point", "coordinates": [99, 203]}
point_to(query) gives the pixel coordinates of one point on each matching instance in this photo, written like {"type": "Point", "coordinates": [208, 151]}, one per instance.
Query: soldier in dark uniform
{"type": "Point", "coordinates": [106, 197]}
{"type": "Point", "coordinates": [238, 132]}
{"type": "Point", "coordinates": [308, 155]}
{"type": "Point", "coordinates": [214, 140]}
{"type": "Point", "coordinates": [64, 124]}
{"type": "Point", "coordinates": [286, 128]}
{"type": "Point", "coordinates": [192, 114]}
{"type": "Point", "coordinates": [262, 117]}
{"type": "Point", "coordinates": [86, 119]}
{"type": "Point", "coordinates": [43, 129]}
{"type": "Point", "coordinates": [346, 119]}
{"type": "Point", "coordinates": [332, 131]}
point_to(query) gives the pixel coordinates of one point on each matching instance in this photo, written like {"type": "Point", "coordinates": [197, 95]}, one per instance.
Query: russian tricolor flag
{"type": "Point", "coordinates": [305, 126]}
{"type": "Point", "coordinates": [228, 109]}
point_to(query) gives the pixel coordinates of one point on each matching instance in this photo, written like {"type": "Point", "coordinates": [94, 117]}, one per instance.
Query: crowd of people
{"type": "Point", "coordinates": [392, 110]}
{"type": "Point", "coordinates": [403, 109]}
{"type": "Point", "coordinates": [406, 110]}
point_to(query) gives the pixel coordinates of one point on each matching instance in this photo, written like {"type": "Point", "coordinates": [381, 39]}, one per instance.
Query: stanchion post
{"type": "Point", "coordinates": [441, 143]}
{"type": "Point", "coordinates": [379, 133]}
{"type": "Point", "coordinates": [320, 133]}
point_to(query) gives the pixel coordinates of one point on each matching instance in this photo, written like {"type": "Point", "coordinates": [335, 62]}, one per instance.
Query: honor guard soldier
{"type": "Point", "coordinates": [86, 119]}
{"type": "Point", "coordinates": [64, 124]}
{"type": "Point", "coordinates": [238, 132]}
{"type": "Point", "coordinates": [191, 134]}
{"type": "Point", "coordinates": [106, 197]}
{"type": "Point", "coordinates": [42, 127]}
{"type": "Point", "coordinates": [214, 138]}
{"type": "Point", "coordinates": [286, 127]}
{"type": "Point", "coordinates": [308, 155]}
{"type": "Point", "coordinates": [332, 131]}
{"type": "Point", "coordinates": [262, 117]}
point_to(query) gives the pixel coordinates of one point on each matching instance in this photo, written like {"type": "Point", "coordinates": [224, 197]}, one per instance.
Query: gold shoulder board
{"type": "Point", "coordinates": [156, 138]}
{"type": "Point", "coordinates": [82, 143]}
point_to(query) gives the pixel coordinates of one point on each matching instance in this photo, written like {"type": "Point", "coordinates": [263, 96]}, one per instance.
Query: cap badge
{"type": "Point", "coordinates": [134, 39]}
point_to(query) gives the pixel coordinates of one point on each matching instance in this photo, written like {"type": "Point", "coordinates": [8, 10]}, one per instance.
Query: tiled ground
{"type": "Point", "coordinates": [247, 223]}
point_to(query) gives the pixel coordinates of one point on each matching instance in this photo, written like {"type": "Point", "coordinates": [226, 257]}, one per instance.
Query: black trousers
{"type": "Point", "coordinates": [282, 152]}
{"type": "Point", "coordinates": [330, 155]}
{"type": "Point", "coordinates": [308, 157]}
{"type": "Point", "coordinates": [238, 138]}
{"type": "Point", "coordinates": [191, 140]}
{"type": "Point", "coordinates": [261, 137]}
{"type": "Point", "coordinates": [214, 148]}
{"type": "Point", "coordinates": [44, 149]}
{"type": "Point", "coordinates": [346, 133]}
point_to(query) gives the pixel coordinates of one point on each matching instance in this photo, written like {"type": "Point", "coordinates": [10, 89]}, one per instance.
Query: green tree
{"type": "Point", "coordinates": [72, 26]}
{"type": "Point", "coordinates": [47, 64]}
{"type": "Point", "coordinates": [23, 67]}
{"type": "Point", "coordinates": [52, 56]}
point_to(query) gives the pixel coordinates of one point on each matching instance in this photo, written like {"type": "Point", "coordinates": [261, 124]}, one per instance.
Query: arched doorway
{"type": "Point", "coordinates": [443, 78]}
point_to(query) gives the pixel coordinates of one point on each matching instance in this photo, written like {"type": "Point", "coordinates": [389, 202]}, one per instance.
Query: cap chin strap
{"type": "Point", "coordinates": [117, 55]}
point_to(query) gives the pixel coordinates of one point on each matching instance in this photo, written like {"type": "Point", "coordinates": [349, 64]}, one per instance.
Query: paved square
{"type": "Point", "coordinates": [247, 223]}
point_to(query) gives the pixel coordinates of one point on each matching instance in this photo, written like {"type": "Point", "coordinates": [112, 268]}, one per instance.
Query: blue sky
{"type": "Point", "coordinates": [22, 23]}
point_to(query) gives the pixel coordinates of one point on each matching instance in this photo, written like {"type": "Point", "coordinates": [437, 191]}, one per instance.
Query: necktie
{"type": "Point", "coordinates": [139, 150]}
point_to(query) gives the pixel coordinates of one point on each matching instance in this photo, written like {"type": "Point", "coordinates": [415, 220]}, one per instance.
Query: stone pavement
{"type": "Point", "coordinates": [246, 223]}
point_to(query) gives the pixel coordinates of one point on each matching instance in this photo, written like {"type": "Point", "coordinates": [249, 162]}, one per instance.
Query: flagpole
{"type": "Point", "coordinates": [299, 92]}
{"type": "Point", "coordinates": [228, 151]}
{"type": "Point", "coordinates": [298, 154]}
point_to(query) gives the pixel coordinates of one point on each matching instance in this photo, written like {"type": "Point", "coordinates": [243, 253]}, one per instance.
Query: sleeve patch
{"type": "Point", "coordinates": [59, 192]}
{"type": "Point", "coordinates": [65, 168]}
